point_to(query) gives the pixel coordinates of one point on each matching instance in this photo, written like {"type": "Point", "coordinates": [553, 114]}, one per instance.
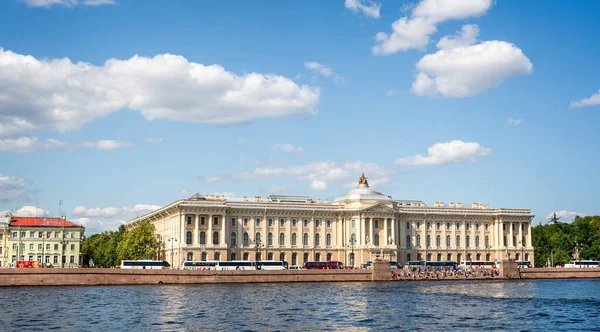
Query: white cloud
{"type": "Point", "coordinates": [62, 95]}
{"type": "Point", "coordinates": [514, 122]}
{"type": "Point", "coordinates": [593, 100]}
{"type": "Point", "coordinates": [11, 187]}
{"type": "Point", "coordinates": [154, 140]}
{"type": "Point", "coordinates": [469, 70]}
{"type": "Point", "coordinates": [366, 7]}
{"type": "Point", "coordinates": [447, 153]}
{"type": "Point", "coordinates": [414, 31]}
{"type": "Point", "coordinates": [318, 185]}
{"type": "Point", "coordinates": [288, 148]}
{"type": "Point", "coordinates": [67, 3]}
{"type": "Point", "coordinates": [94, 226]}
{"type": "Point", "coordinates": [324, 71]}
{"type": "Point", "coordinates": [108, 212]}
{"type": "Point", "coordinates": [467, 36]}
{"type": "Point", "coordinates": [30, 144]}
{"type": "Point", "coordinates": [31, 211]}
{"type": "Point", "coordinates": [565, 215]}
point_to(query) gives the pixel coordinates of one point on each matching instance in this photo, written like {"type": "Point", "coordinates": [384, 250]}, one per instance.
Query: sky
{"type": "Point", "coordinates": [117, 107]}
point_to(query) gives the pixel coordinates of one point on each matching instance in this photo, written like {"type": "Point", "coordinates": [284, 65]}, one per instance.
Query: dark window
{"type": "Point", "coordinates": [216, 238]}
{"type": "Point", "coordinates": [188, 238]}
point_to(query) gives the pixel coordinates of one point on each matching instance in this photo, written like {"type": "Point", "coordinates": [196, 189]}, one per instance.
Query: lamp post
{"type": "Point", "coordinates": [522, 251]}
{"type": "Point", "coordinates": [351, 243]}
{"type": "Point", "coordinates": [172, 240]}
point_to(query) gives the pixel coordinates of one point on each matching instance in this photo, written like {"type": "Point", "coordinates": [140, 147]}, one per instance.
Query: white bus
{"type": "Point", "coordinates": [145, 264]}
{"type": "Point", "coordinates": [582, 264]}
{"type": "Point", "coordinates": [201, 265]}
{"type": "Point", "coordinates": [272, 265]}
{"type": "Point", "coordinates": [477, 264]}
{"type": "Point", "coordinates": [236, 265]}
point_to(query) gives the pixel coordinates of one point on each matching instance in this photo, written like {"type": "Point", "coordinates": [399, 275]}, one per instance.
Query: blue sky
{"type": "Point", "coordinates": [117, 107]}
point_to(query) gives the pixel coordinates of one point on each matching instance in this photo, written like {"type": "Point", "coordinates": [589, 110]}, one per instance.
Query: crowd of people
{"type": "Point", "coordinates": [456, 273]}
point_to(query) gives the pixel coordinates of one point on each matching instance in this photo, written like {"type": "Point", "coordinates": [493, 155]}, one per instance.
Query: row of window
{"type": "Point", "coordinates": [46, 260]}
{"type": "Point", "coordinates": [40, 246]}
{"type": "Point", "coordinates": [270, 256]}
{"type": "Point", "coordinates": [449, 257]}
{"type": "Point", "coordinates": [438, 241]}
{"type": "Point", "coordinates": [270, 221]}
{"type": "Point", "coordinates": [257, 239]}
{"type": "Point", "coordinates": [40, 234]}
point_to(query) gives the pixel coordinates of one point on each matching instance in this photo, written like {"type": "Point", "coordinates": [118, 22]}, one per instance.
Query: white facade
{"type": "Point", "coordinates": [352, 229]}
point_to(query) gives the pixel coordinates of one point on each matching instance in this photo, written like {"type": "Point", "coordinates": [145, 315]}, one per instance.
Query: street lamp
{"type": "Point", "coordinates": [522, 251]}
{"type": "Point", "coordinates": [172, 240]}
{"type": "Point", "coordinates": [352, 243]}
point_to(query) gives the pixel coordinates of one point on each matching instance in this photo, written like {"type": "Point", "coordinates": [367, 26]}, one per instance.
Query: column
{"type": "Point", "coordinates": [289, 234]}
{"type": "Point", "coordinates": [510, 238]}
{"type": "Point", "coordinates": [529, 235]}
{"type": "Point", "coordinates": [394, 237]}
{"type": "Point", "coordinates": [521, 237]}
{"type": "Point", "coordinates": [413, 235]}
{"type": "Point", "coordinates": [371, 232]}
{"type": "Point", "coordinates": [402, 229]}
{"type": "Point", "coordinates": [196, 240]}
{"type": "Point", "coordinates": [223, 231]}
{"type": "Point", "coordinates": [209, 236]}
{"type": "Point", "coordinates": [338, 236]}
{"type": "Point", "coordinates": [385, 232]}
{"type": "Point", "coordinates": [443, 242]}
{"type": "Point", "coordinates": [361, 233]}
{"type": "Point", "coordinates": [311, 233]}
{"type": "Point", "coordinates": [276, 235]}
{"type": "Point", "coordinates": [240, 235]}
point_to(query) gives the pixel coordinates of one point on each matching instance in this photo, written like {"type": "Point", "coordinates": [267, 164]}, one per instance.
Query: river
{"type": "Point", "coordinates": [403, 305]}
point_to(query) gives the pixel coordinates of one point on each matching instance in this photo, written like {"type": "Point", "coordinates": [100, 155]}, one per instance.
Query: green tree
{"type": "Point", "coordinates": [138, 242]}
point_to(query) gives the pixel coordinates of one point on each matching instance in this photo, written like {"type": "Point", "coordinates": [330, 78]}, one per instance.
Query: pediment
{"type": "Point", "coordinates": [378, 207]}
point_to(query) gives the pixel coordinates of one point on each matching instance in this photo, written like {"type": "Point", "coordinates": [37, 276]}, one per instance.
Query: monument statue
{"type": "Point", "coordinates": [367, 240]}
{"type": "Point", "coordinates": [390, 240]}
{"type": "Point", "coordinates": [363, 179]}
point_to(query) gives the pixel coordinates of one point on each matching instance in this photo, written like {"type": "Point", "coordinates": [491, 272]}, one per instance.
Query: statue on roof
{"type": "Point", "coordinates": [363, 179]}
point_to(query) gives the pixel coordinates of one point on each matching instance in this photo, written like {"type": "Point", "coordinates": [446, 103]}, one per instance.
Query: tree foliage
{"type": "Point", "coordinates": [557, 240]}
{"type": "Point", "coordinates": [107, 249]}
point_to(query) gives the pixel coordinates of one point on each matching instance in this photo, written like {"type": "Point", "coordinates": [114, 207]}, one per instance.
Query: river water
{"type": "Point", "coordinates": [403, 305]}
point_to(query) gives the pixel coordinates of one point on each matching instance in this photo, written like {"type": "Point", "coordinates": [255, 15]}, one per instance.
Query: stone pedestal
{"type": "Point", "coordinates": [381, 270]}
{"type": "Point", "coordinates": [509, 270]}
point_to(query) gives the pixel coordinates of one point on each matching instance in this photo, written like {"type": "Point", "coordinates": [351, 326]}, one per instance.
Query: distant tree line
{"type": "Point", "coordinates": [557, 240]}
{"type": "Point", "coordinates": [107, 249]}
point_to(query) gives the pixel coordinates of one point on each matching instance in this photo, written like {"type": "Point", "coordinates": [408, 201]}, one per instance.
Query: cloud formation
{"type": "Point", "coordinates": [514, 122]}
{"type": "Point", "coordinates": [61, 95]}
{"type": "Point", "coordinates": [318, 185]}
{"type": "Point", "coordinates": [31, 144]}
{"type": "Point", "coordinates": [31, 211]}
{"type": "Point", "coordinates": [593, 100]}
{"type": "Point", "coordinates": [67, 3]}
{"type": "Point", "coordinates": [11, 187]}
{"type": "Point", "coordinates": [138, 209]}
{"type": "Point", "coordinates": [288, 147]}
{"type": "Point", "coordinates": [467, 36]}
{"type": "Point", "coordinates": [366, 7]}
{"type": "Point", "coordinates": [414, 31]}
{"type": "Point", "coordinates": [323, 70]}
{"type": "Point", "coordinates": [565, 215]}
{"type": "Point", "coordinates": [446, 153]}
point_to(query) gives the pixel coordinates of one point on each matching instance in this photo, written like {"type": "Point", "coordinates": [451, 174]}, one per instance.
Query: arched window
{"type": "Point", "coordinates": [448, 241]}
{"type": "Point", "coordinates": [408, 242]}
{"type": "Point", "coordinates": [233, 256]}
{"type": "Point", "coordinates": [477, 241]}
{"type": "Point", "coordinates": [216, 238]}
{"type": "Point", "coordinates": [458, 258]}
{"type": "Point", "coordinates": [233, 239]}
{"type": "Point", "coordinates": [202, 238]}
{"type": "Point", "coordinates": [517, 256]}
{"type": "Point", "coordinates": [281, 239]}
{"type": "Point", "coordinates": [458, 241]}
{"type": "Point", "coordinates": [505, 240]}
{"type": "Point", "coordinates": [257, 239]}
{"type": "Point", "coordinates": [488, 256]}
{"type": "Point", "coordinates": [439, 257]}
{"type": "Point", "coordinates": [317, 257]}
{"type": "Point", "coordinates": [487, 241]}
{"type": "Point", "coordinates": [317, 239]}
{"type": "Point", "coordinates": [329, 256]}
{"type": "Point", "coordinates": [190, 256]}
{"type": "Point", "coordinates": [305, 239]}
{"type": "Point", "coordinates": [270, 239]}
{"type": "Point", "coordinates": [270, 256]}
{"type": "Point", "coordinates": [294, 258]}
{"type": "Point", "coordinates": [468, 242]}
{"type": "Point", "coordinates": [376, 239]}
{"type": "Point", "coordinates": [305, 257]}
{"type": "Point", "coordinates": [478, 257]}
{"type": "Point", "coordinates": [419, 257]}
{"type": "Point", "coordinates": [245, 256]}
{"type": "Point", "coordinates": [188, 238]}
{"type": "Point", "coordinates": [418, 242]}
{"type": "Point", "coordinates": [293, 239]}
{"type": "Point", "coordinates": [328, 239]}
{"type": "Point", "coordinates": [449, 257]}
{"type": "Point", "coordinates": [246, 238]}
{"type": "Point", "coordinates": [468, 257]}
{"type": "Point", "coordinates": [438, 241]}
{"type": "Point", "coordinates": [429, 257]}
{"type": "Point", "coordinates": [282, 257]}
{"type": "Point", "coordinates": [217, 256]}
{"type": "Point", "coordinates": [408, 258]}
{"type": "Point", "coordinates": [203, 256]}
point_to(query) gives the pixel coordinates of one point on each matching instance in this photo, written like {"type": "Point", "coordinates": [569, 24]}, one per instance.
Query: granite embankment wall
{"type": "Point", "coordinates": [560, 273]}
{"type": "Point", "coordinates": [74, 277]}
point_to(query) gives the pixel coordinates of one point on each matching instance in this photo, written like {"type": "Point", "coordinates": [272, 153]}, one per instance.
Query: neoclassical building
{"type": "Point", "coordinates": [352, 229]}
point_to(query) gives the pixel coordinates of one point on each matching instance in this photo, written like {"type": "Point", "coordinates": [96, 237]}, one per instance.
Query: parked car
{"type": "Point", "coordinates": [296, 267]}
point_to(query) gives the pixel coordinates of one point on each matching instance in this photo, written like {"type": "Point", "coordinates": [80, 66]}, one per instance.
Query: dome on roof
{"type": "Point", "coordinates": [362, 192]}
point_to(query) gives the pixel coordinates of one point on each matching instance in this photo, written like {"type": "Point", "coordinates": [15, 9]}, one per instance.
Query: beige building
{"type": "Point", "coordinates": [352, 229]}
{"type": "Point", "coordinates": [53, 241]}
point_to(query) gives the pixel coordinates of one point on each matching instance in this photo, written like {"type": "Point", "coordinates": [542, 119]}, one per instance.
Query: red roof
{"type": "Point", "coordinates": [43, 222]}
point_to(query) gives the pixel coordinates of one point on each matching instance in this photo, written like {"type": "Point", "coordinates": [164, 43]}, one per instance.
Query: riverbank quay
{"type": "Point", "coordinates": [559, 273]}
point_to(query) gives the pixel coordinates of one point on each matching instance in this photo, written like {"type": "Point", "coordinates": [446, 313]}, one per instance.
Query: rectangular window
{"type": "Point", "coordinates": [353, 223]}
{"type": "Point", "coordinates": [317, 223]}
{"type": "Point", "coordinates": [202, 221]}
{"type": "Point", "coordinates": [428, 225]}
{"type": "Point", "coordinates": [55, 260]}
{"type": "Point", "coordinates": [0, 236]}
{"type": "Point", "coordinates": [407, 225]}
{"type": "Point", "coordinates": [281, 222]}
{"type": "Point", "coordinates": [189, 220]}
{"type": "Point", "coordinates": [64, 259]}
{"type": "Point", "coordinates": [457, 226]}
{"type": "Point", "coordinates": [447, 226]}
{"type": "Point", "coordinates": [522, 228]}
{"type": "Point", "coordinates": [503, 227]}
{"type": "Point", "coordinates": [245, 221]}
{"type": "Point", "coordinates": [72, 259]}
{"type": "Point", "coordinates": [72, 246]}
{"type": "Point", "coordinates": [23, 246]}
{"type": "Point", "coordinates": [294, 222]}
{"type": "Point", "coordinates": [476, 227]}
{"type": "Point", "coordinates": [376, 223]}
{"type": "Point", "coordinates": [270, 222]}
{"type": "Point", "coordinates": [215, 221]}
{"type": "Point", "coordinates": [40, 246]}
{"type": "Point", "coordinates": [56, 235]}
{"type": "Point", "coordinates": [32, 234]}
{"type": "Point", "coordinates": [257, 222]}
{"type": "Point", "coordinates": [14, 235]}
{"type": "Point", "coordinates": [305, 222]}
{"type": "Point", "coordinates": [486, 227]}
{"type": "Point", "coordinates": [31, 246]}
{"type": "Point", "coordinates": [468, 226]}
{"type": "Point", "coordinates": [47, 246]}
{"type": "Point", "coordinates": [328, 223]}
{"type": "Point", "coordinates": [15, 246]}
{"type": "Point", "coordinates": [418, 225]}
{"type": "Point", "coordinates": [513, 227]}
{"type": "Point", "coordinates": [56, 246]}
{"type": "Point", "coordinates": [232, 222]}
{"type": "Point", "coordinates": [438, 226]}
{"type": "Point", "coordinates": [14, 258]}
{"type": "Point", "coordinates": [22, 234]}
